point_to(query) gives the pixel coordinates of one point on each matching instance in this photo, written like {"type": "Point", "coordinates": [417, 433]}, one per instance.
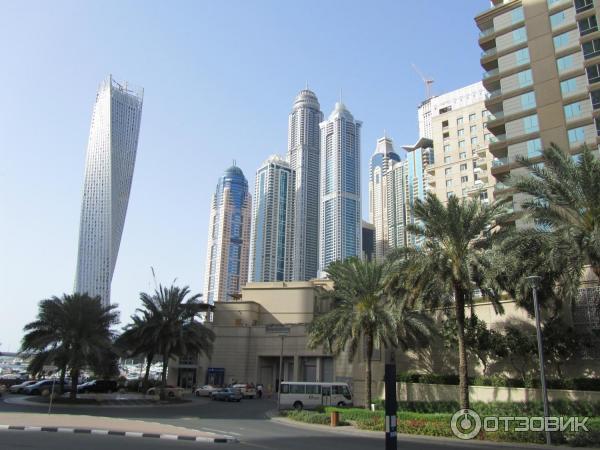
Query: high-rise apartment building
{"type": "Point", "coordinates": [304, 158]}
{"type": "Point", "coordinates": [406, 182]}
{"type": "Point", "coordinates": [340, 215]}
{"type": "Point", "coordinates": [456, 123]}
{"type": "Point", "coordinates": [272, 222]}
{"type": "Point", "coordinates": [110, 160]}
{"type": "Point", "coordinates": [368, 241]}
{"type": "Point", "coordinates": [228, 237]}
{"type": "Point", "coordinates": [381, 161]}
{"type": "Point", "coordinates": [542, 73]}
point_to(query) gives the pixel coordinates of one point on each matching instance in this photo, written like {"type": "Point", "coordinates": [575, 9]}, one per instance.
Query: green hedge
{"type": "Point", "coordinates": [313, 417]}
{"type": "Point", "coordinates": [578, 384]}
{"type": "Point", "coordinates": [438, 424]}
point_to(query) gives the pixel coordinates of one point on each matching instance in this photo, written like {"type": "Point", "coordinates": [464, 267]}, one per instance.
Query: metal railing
{"type": "Point", "coordinates": [486, 32]}
{"type": "Point", "coordinates": [489, 52]}
{"type": "Point", "coordinates": [491, 73]}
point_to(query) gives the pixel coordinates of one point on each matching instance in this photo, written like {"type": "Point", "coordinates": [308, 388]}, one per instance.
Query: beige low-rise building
{"type": "Point", "coordinates": [268, 327]}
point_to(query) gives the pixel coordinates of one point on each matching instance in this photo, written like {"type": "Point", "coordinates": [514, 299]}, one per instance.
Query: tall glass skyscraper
{"type": "Point", "coordinates": [340, 215]}
{"type": "Point", "coordinates": [304, 158]}
{"type": "Point", "coordinates": [228, 237]}
{"type": "Point", "coordinates": [272, 222]}
{"type": "Point", "coordinates": [110, 160]}
{"type": "Point", "coordinates": [381, 161]}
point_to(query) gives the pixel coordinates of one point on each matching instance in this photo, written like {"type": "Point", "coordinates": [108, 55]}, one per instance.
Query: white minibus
{"type": "Point", "coordinates": [306, 395]}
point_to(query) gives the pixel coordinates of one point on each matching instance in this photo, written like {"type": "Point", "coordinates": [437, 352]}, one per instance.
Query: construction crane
{"type": "Point", "coordinates": [427, 81]}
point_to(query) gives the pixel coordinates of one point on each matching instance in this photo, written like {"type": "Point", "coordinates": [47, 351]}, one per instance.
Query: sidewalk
{"type": "Point", "coordinates": [350, 430]}
{"type": "Point", "coordinates": [93, 400]}
{"type": "Point", "coordinates": [66, 423]}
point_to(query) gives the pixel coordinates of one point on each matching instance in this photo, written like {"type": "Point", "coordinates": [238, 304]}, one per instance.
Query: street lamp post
{"type": "Point", "coordinates": [534, 282]}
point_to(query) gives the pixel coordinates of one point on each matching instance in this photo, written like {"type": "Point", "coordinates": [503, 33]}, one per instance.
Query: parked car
{"type": "Point", "coordinates": [172, 391]}
{"type": "Point", "coordinates": [44, 387]}
{"type": "Point", "coordinates": [227, 395]}
{"type": "Point", "coordinates": [98, 386]}
{"type": "Point", "coordinates": [205, 391]}
{"type": "Point", "coordinates": [18, 388]}
{"type": "Point", "coordinates": [246, 390]}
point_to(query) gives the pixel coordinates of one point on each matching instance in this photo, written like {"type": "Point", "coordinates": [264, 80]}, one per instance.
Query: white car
{"type": "Point", "coordinates": [205, 391]}
{"type": "Point", "coordinates": [246, 390]}
{"type": "Point", "coordinates": [171, 391]}
{"type": "Point", "coordinates": [18, 388]}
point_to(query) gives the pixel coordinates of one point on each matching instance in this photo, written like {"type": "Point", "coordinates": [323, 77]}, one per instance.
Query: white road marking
{"type": "Point", "coordinates": [226, 433]}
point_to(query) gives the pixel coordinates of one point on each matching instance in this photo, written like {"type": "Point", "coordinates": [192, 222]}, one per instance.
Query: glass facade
{"type": "Point", "coordinates": [229, 235]}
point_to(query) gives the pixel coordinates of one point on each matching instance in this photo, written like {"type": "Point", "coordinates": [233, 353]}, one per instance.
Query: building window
{"type": "Point", "coordinates": [528, 100]}
{"type": "Point", "coordinates": [568, 86]}
{"type": "Point", "coordinates": [564, 63]}
{"type": "Point", "coordinates": [449, 194]}
{"type": "Point", "coordinates": [516, 15]}
{"type": "Point", "coordinates": [463, 167]}
{"type": "Point", "coordinates": [587, 25]}
{"type": "Point", "coordinates": [522, 56]}
{"type": "Point", "coordinates": [472, 117]}
{"type": "Point", "coordinates": [582, 5]}
{"type": "Point", "coordinates": [591, 48]}
{"type": "Point", "coordinates": [461, 132]}
{"type": "Point", "coordinates": [484, 113]}
{"type": "Point", "coordinates": [447, 148]}
{"type": "Point", "coordinates": [558, 19]}
{"type": "Point", "coordinates": [597, 122]}
{"type": "Point", "coordinates": [560, 41]}
{"type": "Point", "coordinates": [448, 183]}
{"type": "Point", "coordinates": [573, 110]}
{"type": "Point", "coordinates": [525, 78]}
{"type": "Point", "coordinates": [595, 95]}
{"type": "Point", "coordinates": [486, 137]}
{"type": "Point", "coordinates": [534, 148]}
{"type": "Point", "coordinates": [519, 35]}
{"type": "Point", "coordinates": [464, 179]}
{"type": "Point", "coordinates": [459, 121]}
{"type": "Point", "coordinates": [448, 170]}
{"type": "Point", "coordinates": [576, 135]}
{"type": "Point", "coordinates": [462, 155]}
{"type": "Point", "coordinates": [474, 141]}
{"type": "Point", "coordinates": [593, 73]}
{"type": "Point", "coordinates": [461, 144]}
{"type": "Point", "coordinates": [473, 129]}
{"type": "Point", "coordinates": [447, 159]}
{"type": "Point", "coordinates": [530, 124]}
{"type": "Point", "coordinates": [444, 124]}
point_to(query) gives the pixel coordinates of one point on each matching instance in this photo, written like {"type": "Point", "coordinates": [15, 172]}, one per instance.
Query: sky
{"type": "Point", "coordinates": [219, 81]}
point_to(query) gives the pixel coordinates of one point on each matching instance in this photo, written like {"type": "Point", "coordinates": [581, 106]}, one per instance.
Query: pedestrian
{"type": "Point", "coordinates": [259, 389]}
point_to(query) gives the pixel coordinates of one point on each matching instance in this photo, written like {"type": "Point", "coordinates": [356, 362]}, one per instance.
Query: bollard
{"type": "Point", "coordinates": [335, 418]}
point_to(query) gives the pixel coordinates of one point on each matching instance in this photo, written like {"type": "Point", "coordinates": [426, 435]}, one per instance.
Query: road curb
{"type": "Point", "coordinates": [172, 437]}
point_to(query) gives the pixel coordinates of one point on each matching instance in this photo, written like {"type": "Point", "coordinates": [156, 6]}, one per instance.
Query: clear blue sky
{"type": "Point", "coordinates": [219, 80]}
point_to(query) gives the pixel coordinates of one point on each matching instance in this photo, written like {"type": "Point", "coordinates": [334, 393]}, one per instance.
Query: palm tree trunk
{"type": "Point", "coordinates": [149, 358]}
{"type": "Point", "coordinates": [164, 376]}
{"type": "Point", "coordinates": [369, 374]}
{"type": "Point", "coordinates": [74, 378]}
{"type": "Point", "coordinates": [63, 375]}
{"type": "Point", "coordinates": [463, 370]}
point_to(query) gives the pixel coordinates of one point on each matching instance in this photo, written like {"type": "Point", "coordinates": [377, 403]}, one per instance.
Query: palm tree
{"type": "Point", "coordinates": [72, 331]}
{"type": "Point", "coordinates": [363, 312]}
{"type": "Point", "coordinates": [171, 326]}
{"type": "Point", "coordinates": [564, 202]}
{"type": "Point", "coordinates": [449, 264]}
{"type": "Point", "coordinates": [136, 340]}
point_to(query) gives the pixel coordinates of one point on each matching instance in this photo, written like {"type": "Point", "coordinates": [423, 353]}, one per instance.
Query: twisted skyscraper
{"type": "Point", "coordinates": [304, 159]}
{"type": "Point", "coordinates": [110, 160]}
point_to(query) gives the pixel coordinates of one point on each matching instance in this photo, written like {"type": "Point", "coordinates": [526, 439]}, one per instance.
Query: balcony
{"type": "Point", "coordinates": [490, 73]}
{"type": "Point", "coordinates": [493, 94]}
{"type": "Point", "coordinates": [500, 186]}
{"type": "Point", "coordinates": [498, 138]}
{"type": "Point", "coordinates": [487, 32]}
{"type": "Point", "coordinates": [490, 52]}
{"type": "Point", "coordinates": [499, 162]}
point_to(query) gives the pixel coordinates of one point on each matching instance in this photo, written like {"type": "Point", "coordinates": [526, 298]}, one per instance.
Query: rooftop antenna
{"type": "Point", "coordinates": [384, 133]}
{"type": "Point", "coordinates": [341, 95]}
{"type": "Point", "coordinates": [427, 81]}
{"type": "Point", "coordinates": [234, 162]}
{"type": "Point", "coordinates": [306, 85]}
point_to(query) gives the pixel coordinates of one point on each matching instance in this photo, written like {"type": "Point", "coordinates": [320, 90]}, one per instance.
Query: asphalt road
{"type": "Point", "coordinates": [246, 421]}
